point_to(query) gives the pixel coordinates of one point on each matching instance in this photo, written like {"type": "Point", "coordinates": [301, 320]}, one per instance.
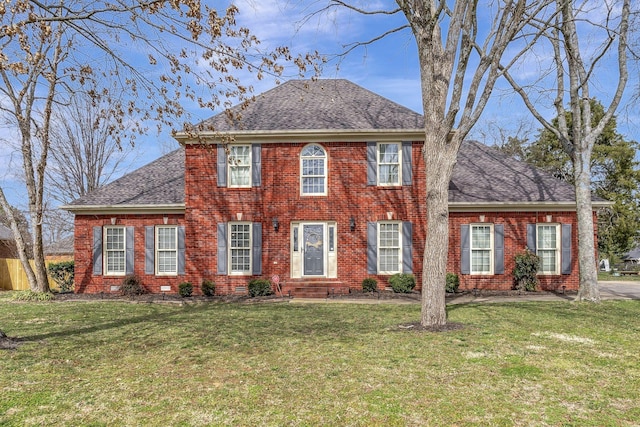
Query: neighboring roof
{"type": "Point", "coordinates": [632, 254]}
{"type": "Point", "coordinates": [318, 105]}
{"type": "Point", "coordinates": [63, 246]}
{"type": "Point", "coordinates": [5, 233]}
{"type": "Point", "coordinates": [160, 184]}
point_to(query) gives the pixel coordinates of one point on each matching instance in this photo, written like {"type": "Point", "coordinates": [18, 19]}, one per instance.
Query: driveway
{"type": "Point", "coordinates": [619, 290]}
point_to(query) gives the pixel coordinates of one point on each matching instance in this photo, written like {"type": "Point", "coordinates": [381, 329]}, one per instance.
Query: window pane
{"type": "Point", "coordinates": [167, 262]}
{"type": "Point", "coordinates": [389, 259]}
{"type": "Point", "coordinates": [166, 238]}
{"type": "Point", "coordinates": [547, 237]}
{"type": "Point", "coordinates": [481, 261]}
{"type": "Point", "coordinates": [389, 174]}
{"type": "Point", "coordinates": [115, 262]}
{"type": "Point", "coordinates": [481, 237]}
{"type": "Point", "coordinates": [547, 261]}
{"type": "Point", "coordinates": [115, 238]}
{"type": "Point", "coordinates": [389, 153]}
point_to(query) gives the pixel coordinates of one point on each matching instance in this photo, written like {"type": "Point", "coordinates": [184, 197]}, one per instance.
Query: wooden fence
{"type": "Point", "coordinates": [13, 277]}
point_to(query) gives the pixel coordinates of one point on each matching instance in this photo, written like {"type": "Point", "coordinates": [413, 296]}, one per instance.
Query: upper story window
{"type": "Point", "coordinates": [481, 249]}
{"type": "Point", "coordinates": [115, 251]}
{"type": "Point", "coordinates": [389, 164]}
{"type": "Point", "coordinates": [313, 171]}
{"type": "Point", "coordinates": [239, 166]}
{"type": "Point", "coordinates": [548, 248]}
{"type": "Point", "coordinates": [167, 250]}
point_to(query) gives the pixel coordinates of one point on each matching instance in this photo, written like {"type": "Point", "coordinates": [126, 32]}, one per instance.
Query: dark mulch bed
{"type": "Point", "coordinates": [8, 343]}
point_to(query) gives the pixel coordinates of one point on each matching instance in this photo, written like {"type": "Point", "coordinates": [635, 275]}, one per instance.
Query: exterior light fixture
{"type": "Point", "coordinates": [352, 223]}
{"type": "Point", "coordinates": [276, 224]}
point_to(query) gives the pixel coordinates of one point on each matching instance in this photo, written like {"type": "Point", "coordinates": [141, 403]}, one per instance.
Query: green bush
{"type": "Point", "coordinates": [208, 288]}
{"type": "Point", "coordinates": [260, 287]}
{"type": "Point", "coordinates": [525, 272]}
{"type": "Point", "coordinates": [185, 289]}
{"type": "Point", "coordinates": [369, 285]}
{"type": "Point", "coordinates": [62, 274]}
{"type": "Point", "coordinates": [402, 283]}
{"type": "Point", "coordinates": [131, 286]}
{"type": "Point", "coordinates": [453, 281]}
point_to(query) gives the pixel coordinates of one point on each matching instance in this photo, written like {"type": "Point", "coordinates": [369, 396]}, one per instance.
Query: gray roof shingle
{"type": "Point", "coordinates": [161, 182]}
{"type": "Point", "coordinates": [318, 105]}
{"type": "Point", "coordinates": [483, 174]}
{"type": "Point", "coordinates": [5, 233]}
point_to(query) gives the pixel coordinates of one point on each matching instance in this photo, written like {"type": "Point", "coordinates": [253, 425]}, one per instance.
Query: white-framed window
{"type": "Point", "coordinates": [548, 248]}
{"type": "Point", "coordinates": [389, 163]}
{"type": "Point", "coordinates": [239, 169]}
{"type": "Point", "coordinates": [389, 247]}
{"type": "Point", "coordinates": [114, 251]}
{"type": "Point", "coordinates": [240, 248]}
{"type": "Point", "coordinates": [481, 247]}
{"type": "Point", "coordinates": [313, 171]}
{"type": "Point", "coordinates": [166, 250]}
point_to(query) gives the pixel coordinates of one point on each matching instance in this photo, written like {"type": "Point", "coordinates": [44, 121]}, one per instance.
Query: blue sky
{"type": "Point", "coordinates": [388, 67]}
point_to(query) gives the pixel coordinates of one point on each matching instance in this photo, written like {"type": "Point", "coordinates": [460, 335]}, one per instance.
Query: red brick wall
{"type": "Point", "coordinates": [515, 241]}
{"type": "Point", "coordinates": [86, 282]}
{"type": "Point", "coordinates": [279, 197]}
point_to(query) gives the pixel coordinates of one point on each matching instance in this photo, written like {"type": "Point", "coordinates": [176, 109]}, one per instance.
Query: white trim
{"type": "Point", "coordinates": [303, 136]}
{"type": "Point", "coordinates": [124, 209]}
{"type": "Point", "coordinates": [568, 206]}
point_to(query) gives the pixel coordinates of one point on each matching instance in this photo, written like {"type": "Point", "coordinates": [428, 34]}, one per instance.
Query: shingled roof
{"type": "Point", "coordinates": [160, 183]}
{"type": "Point", "coordinates": [483, 176]}
{"type": "Point", "coordinates": [318, 105]}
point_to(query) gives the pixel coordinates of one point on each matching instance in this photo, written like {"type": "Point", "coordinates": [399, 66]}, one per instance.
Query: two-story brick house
{"type": "Point", "coordinates": [321, 183]}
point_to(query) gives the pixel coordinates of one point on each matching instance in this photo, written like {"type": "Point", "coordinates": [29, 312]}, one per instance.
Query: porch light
{"type": "Point", "coordinates": [276, 224]}
{"type": "Point", "coordinates": [352, 223]}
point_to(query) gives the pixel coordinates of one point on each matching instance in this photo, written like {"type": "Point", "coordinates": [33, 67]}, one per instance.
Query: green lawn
{"type": "Point", "coordinates": [604, 276]}
{"type": "Point", "coordinates": [117, 363]}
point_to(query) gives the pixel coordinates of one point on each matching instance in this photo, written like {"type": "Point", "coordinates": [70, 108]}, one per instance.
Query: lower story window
{"type": "Point", "coordinates": [481, 249]}
{"type": "Point", "coordinates": [167, 250]}
{"type": "Point", "coordinates": [114, 250]}
{"type": "Point", "coordinates": [389, 248]}
{"type": "Point", "coordinates": [240, 248]}
{"type": "Point", "coordinates": [548, 248]}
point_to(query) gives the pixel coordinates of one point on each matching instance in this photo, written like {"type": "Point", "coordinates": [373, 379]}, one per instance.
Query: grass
{"type": "Point", "coordinates": [117, 363]}
{"type": "Point", "coordinates": [604, 276]}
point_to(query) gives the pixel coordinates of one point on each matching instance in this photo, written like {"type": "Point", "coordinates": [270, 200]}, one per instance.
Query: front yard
{"type": "Point", "coordinates": [118, 363]}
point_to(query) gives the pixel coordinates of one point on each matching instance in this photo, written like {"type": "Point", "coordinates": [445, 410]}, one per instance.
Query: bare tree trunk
{"type": "Point", "coordinates": [441, 158]}
{"type": "Point", "coordinates": [589, 290]}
